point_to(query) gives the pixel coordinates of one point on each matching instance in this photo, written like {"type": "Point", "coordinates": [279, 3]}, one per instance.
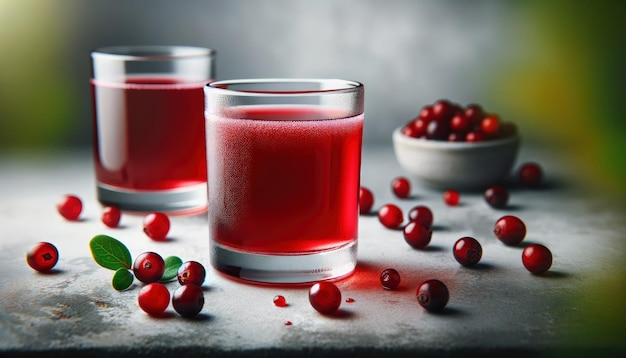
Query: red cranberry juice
{"type": "Point", "coordinates": [150, 133]}
{"type": "Point", "coordinates": [282, 185]}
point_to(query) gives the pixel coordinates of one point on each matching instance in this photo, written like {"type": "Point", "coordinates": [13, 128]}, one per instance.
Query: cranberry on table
{"type": "Point", "coordinates": [149, 267]}
{"type": "Point", "coordinates": [433, 295]}
{"type": "Point", "coordinates": [390, 216]}
{"type": "Point", "coordinates": [280, 301]}
{"type": "Point", "coordinates": [497, 196]}
{"type": "Point", "coordinates": [467, 251]}
{"type": "Point", "coordinates": [188, 300]}
{"type": "Point", "coordinates": [510, 229]}
{"type": "Point", "coordinates": [417, 235]}
{"type": "Point", "coordinates": [530, 174]}
{"type": "Point", "coordinates": [42, 256]}
{"type": "Point", "coordinates": [537, 258]}
{"type": "Point", "coordinates": [70, 207]}
{"type": "Point", "coordinates": [154, 298]}
{"type": "Point", "coordinates": [366, 200]}
{"type": "Point", "coordinates": [422, 214]}
{"type": "Point", "coordinates": [111, 216]}
{"type": "Point", "coordinates": [390, 279]}
{"type": "Point", "coordinates": [325, 297]}
{"type": "Point", "coordinates": [156, 226]}
{"type": "Point", "coordinates": [451, 197]}
{"type": "Point", "coordinates": [401, 187]}
{"type": "Point", "coordinates": [191, 272]}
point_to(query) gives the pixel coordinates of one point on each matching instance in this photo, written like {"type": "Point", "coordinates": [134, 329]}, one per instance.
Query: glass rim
{"type": "Point", "coordinates": [152, 52]}
{"type": "Point", "coordinates": [340, 86]}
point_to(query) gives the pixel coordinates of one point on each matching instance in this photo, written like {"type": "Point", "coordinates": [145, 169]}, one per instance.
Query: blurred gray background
{"type": "Point", "coordinates": [553, 67]}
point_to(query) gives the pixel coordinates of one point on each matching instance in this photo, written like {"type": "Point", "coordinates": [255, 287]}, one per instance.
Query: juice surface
{"type": "Point", "coordinates": [150, 133]}
{"type": "Point", "coordinates": [280, 185]}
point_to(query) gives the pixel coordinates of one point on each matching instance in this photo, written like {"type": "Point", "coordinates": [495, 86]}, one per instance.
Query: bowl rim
{"type": "Point", "coordinates": [441, 144]}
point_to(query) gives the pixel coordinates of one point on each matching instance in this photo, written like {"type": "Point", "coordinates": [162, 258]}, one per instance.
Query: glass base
{"type": "Point", "coordinates": [285, 269]}
{"type": "Point", "coordinates": [185, 200]}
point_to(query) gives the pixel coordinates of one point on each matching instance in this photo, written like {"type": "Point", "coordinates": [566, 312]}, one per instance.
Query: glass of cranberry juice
{"type": "Point", "coordinates": [284, 159]}
{"type": "Point", "coordinates": [148, 127]}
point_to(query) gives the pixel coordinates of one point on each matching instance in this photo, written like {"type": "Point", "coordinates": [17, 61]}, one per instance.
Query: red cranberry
{"type": "Point", "coordinates": [475, 136]}
{"type": "Point", "coordinates": [510, 229]}
{"type": "Point", "coordinates": [420, 125]}
{"type": "Point", "coordinates": [366, 200]}
{"type": "Point", "coordinates": [156, 226]}
{"type": "Point", "coordinates": [427, 113]}
{"type": "Point", "coordinates": [149, 267]}
{"type": "Point", "coordinates": [390, 279]}
{"type": "Point", "coordinates": [188, 300]}
{"type": "Point", "coordinates": [409, 131]}
{"type": "Point", "coordinates": [111, 216]}
{"type": "Point", "coordinates": [459, 123]}
{"type": "Point", "coordinates": [417, 235]}
{"type": "Point", "coordinates": [497, 196]}
{"type": "Point", "coordinates": [537, 258]}
{"type": "Point", "coordinates": [437, 130]}
{"type": "Point", "coordinates": [390, 216]}
{"type": "Point", "coordinates": [451, 197]}
{"type": "Point", "coordinates": [490, 125]}
{"type": "Point", "coordinates": [191, 272]}
{"type": "Point", "coordinates": [474, 113]}
{"type": "Point", "coordinates": [280, 301]}
{"type": "Point", "coordinates": [456, 137]}
{"type": "Point", "coordinates": [467, 251]}
{"type": "Point", "coordinates": [325, 297]}
{"type": "Point", "coordinates": [530, 174]}
{"type": "Point", "coordinates": [70, 207]}
{"type": "Point", "coordinates": [433, 295]}
{"type": "Point", "coordinates": [42, 257]}
{"type": "Point", "coordinates": [154, 298]}
{"type": "Point", "coordinates": [422, 214]}
{"type": "Point", "coordinates": [443, 109]}
{"type": "Point", "coordinates": [401, 187]}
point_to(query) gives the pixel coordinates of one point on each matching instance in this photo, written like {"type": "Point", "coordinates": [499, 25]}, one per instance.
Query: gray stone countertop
{"type": "Point", "coordinates": [496, 308]}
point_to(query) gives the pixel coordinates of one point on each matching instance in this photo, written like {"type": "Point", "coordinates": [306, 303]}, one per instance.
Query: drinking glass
{"type": "Point", "coordinates": [148, 127]}
{"type": "Point", "coordinates": [284, 158]}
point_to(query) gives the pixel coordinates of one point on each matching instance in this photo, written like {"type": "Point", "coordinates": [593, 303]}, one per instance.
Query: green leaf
{"type": "Point", "coordinates": [109, 253]}
{"type": "Point", "coordinates": [122, 279]}
{"type": "Point", "coordinates": [172, 264]}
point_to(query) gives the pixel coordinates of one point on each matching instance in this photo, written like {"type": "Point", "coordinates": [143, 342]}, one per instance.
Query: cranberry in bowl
{"type": "Point", "coordinates": [438, 151]}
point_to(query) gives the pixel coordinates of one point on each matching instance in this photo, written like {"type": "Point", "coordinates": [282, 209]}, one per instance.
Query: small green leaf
{"type": "Point", "coordinates": [122, 279]}
{"type": "Point", "coordinates": [109, 253]}
{"type": "Point", "coordinates": [172, 264]}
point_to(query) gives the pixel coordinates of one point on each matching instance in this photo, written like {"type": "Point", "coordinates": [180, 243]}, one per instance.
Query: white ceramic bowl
{"type": "Point", "coordinates": [456, 165]}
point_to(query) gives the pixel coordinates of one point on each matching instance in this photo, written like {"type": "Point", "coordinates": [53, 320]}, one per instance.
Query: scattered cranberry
{"type": "Point", "coordinates": [280, 301]}
{"type": "Point", "coordinates": [42, 257]}
{"type": "Point", "coordinates": [497, 196]}
{"type": "Point", "coordinates": [417, 235]}
{"type": "Point", "coordinates": [530, 174]}
{"type": "Point", "coordinates": [451, 197]}
{"type": "Point", "coordinates": [325, 297]}
{"type": "Point", "coordinates": [188, 300]}
{"type": "Point", "coordinates": [111, 216]}
{"type": "Point", "coordinates": [350, 300]}
{"type": "Point", "coordinates": [70, 207]}
{"type": "Point", "coordinates": [366, 200]}
{"type": "Point", "coordinates": [390, 279]}
{"type": "Point", "coordinates": [288, 323]}
{"type": "Point", "coordinates": [390, 216]}
{"type": "Point", "coordinates": [433, 295]}
{"type": "Point", "coordinates": [467, 251]}
{"type": "Point", "coordinates": [422, 214]}
{"type": "Point", "coordinates": [537, 258]}
{"type": "Point", "coordinates": [191, 273]}
{"type": "Point", "coordinates": [149, 267]}
{"type": "Point", "coordinates": [154, 298]}
{"type": "Point", "coordinates": [156, 226]}
{"type": "Point", "coordinates": [401, 187]}
{"type": "Point", "coordinates": [510, 229]}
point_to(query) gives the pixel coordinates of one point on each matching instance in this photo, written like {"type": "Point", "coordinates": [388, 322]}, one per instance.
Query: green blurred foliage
{"type": "Point", "coordinates": [568, 83]}
{"type": "Point", "coordinates": [35, 99]}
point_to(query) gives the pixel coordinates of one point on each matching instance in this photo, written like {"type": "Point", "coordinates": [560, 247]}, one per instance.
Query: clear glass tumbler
{"type": "Point", "coordinates": [284, 158]}
{"type": "Point", "coordinates": [148, 127]}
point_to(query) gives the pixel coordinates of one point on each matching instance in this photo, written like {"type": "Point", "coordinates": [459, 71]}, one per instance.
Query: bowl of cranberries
{"type": "Point", "coordinates": [449, 146]}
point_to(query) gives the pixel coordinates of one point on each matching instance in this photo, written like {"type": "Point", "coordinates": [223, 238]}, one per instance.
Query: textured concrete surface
{"type": "Point", "coordinates": [495, 308]}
